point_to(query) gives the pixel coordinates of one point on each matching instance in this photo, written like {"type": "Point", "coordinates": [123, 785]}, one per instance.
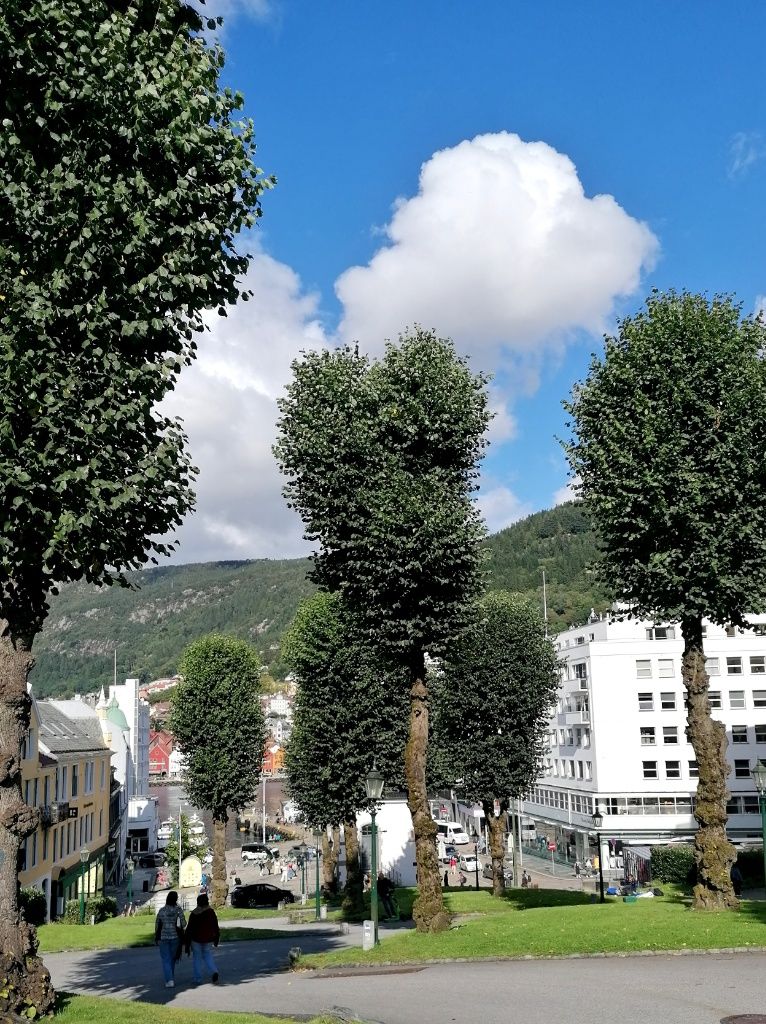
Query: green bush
{"type": "Point", "coordinates": [673, 863]}
{"type": "Point", "coordinates": [33, 903]}
{"type": "Point", "coordinates": [98, 907]}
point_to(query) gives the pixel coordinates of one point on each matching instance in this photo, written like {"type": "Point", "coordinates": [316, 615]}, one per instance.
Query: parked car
{"type": "Point", "coordinates": [260, 894]}
{"type": "Point", "coordinates": [467, 862]}
{"type": "Point", "coordinates": [258, 852]}
{"type": "Point", "coordinates": [486, 871]}
{"type": "Point", "coordinates": [294, 852]}
{"type": "Point", "coordinates": [449, 852]}
{"type": "Point", "coordinates": [151, 860]}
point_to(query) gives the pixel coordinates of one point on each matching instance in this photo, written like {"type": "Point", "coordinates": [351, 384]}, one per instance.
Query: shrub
{"type": "Point", "coordinates": [97, 907]}
{"type": "Point", "coordinates": [673, 863]}
{"type": "Point", "coordinates": [33, 903]}
{"type": "Point", "coordinates": [750, 863]}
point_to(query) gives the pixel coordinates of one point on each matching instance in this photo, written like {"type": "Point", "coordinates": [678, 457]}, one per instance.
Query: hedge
{"type": "Point", "coordinates": [673, 863]}
{"type": "Point", "coordinates": [98, 907]}
{"type": "Point", "coordinates": [33, 903]}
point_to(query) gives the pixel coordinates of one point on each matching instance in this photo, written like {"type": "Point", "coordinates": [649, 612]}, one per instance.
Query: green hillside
{"type": "Point", "coordinates": [173, 605]}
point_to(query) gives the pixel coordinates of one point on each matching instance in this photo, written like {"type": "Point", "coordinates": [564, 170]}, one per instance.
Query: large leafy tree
{"type": "Point", "coordinates": [217, 720]}
{"type": "Point", "coordinates": [493, 695]}
{"type": "Point", "coordinates": [349, 715]}
{"type": "Point", "coordinates": [381, 459]}
{"type": "Point", "coordinates": [669, 431]}
{"type": "Point", "coordinates": [126, 175]}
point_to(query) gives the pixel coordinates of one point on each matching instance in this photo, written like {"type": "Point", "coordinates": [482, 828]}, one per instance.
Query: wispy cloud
{"type": "Point", "coordinates": [745, 150]}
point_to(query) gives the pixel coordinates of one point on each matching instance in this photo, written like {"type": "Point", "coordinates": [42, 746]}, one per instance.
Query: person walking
{"type": "Point", "coordinates": [168, 935]}
{"type": "Point", "coordinates": [386, 891]}
{"type": "Point", "coordinates": [202, 933]}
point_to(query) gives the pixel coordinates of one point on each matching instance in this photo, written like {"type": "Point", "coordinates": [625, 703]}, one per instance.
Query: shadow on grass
{"type": "Point", "coordinates": [532, 899]}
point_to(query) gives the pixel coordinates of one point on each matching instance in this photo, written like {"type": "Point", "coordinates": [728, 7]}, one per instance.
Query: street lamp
{"type": "Point", "coordinates": [759, 778]}
{"type": "Point", "coordinates": [302, 851]}
{"type": "Point", "coordinates": [84, 858]}
{"type": "Point", "coordinates": [598, 821]}
{"type": "Point", "coordinates": [373, 785]}
{"type": "Point", "coordinates": [130, 866]}
{"type": "Point", "coordinates": [475, 838]}
{"type": "Point", "coordinates": [317, 837]}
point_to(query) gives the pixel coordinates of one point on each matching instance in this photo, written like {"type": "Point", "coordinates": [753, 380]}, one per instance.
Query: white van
{"type": "Point", "coordinates": [451, 832]}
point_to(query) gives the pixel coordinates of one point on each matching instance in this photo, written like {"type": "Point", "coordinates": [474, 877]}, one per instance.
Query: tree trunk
{"type": "Point", "coordinates": [497, 829]}
{"type": "Point", "coordinates": [353, 900]}
{"type": "Point", "coordinates": [26, 982]}
{"type": "Point", "coordinates": [713, 853]}
{"type": "Point", "coordinates": [428, 909]}
{"type": "Point", "coordinates": [220, 883]}
{"type": "Point", "coordinates": [330, 850]}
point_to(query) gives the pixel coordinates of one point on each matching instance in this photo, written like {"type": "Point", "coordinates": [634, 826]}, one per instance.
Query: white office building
{"type": "Point", "coordinates": [618, 739]}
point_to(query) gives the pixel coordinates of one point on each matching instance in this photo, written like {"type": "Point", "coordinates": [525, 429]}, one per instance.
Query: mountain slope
{"type": "Point", "coordinates": [256, 600]}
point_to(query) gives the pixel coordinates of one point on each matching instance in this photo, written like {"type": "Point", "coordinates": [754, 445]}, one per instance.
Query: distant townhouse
{"type": "Point", "coordinates": [160, 749]}
{"type": "Point", "coordinates": [129, 713]}
{"type": "Point", "coordinates": [65, 771]}
{"type": "Point", "coordinates": [617, 738]}
{"type": "Point", "coordinates": [273, 758]}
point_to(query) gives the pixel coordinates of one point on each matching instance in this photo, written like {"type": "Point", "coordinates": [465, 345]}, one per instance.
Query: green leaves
{"type": "Point", "coordinates": [125, 182]}
{"type": "Point", "coordinates": [668, 443]}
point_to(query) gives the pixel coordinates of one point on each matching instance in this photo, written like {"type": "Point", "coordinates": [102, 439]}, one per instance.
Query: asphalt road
{"type": "Point", "coordinates": [632, 990]}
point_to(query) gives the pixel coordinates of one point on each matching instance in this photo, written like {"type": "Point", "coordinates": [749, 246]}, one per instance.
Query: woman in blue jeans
{"type": "Point", "coordinates": [201, 935]}
{"type": "Point", "coordinates": [168, 935]}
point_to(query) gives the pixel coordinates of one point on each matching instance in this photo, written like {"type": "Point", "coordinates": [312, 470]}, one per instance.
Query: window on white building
{"type": "Point", "coordinates": [715, 699]}
{"type": "Point", "coordinates": [731, 631]}
{"type": "Point", "coordinates": [757, 665]}
{"type": "Point", "coordinates": [645, 702]}
{"type": "Point", "coordinates": [759, 698]}
{"type": "Point", "coordinates": [588, 770]}
{"type": "Point", "coordinates": [666, 670]}
{"type": "Point", "coordinates": [661, 633]}
{"type": "Point", "coordinates": [650, 769]}
{"type": "Point", "coordinates": [570, 737]}
{"type": "Point", "coordinates": [736, 699]}
{"type": "Point", "coordinates": [672, 769]}
{"type": "Point", "coordinates": [668, 701]}
{"type": "Point", "coordinates": [713, 667]}
{"type": "Point", "coordinates": [670, 734]}
{"type": "Point", "coordinates": [760, 734]}
{"type": "Point", "coordinates": [647, 736]}
{"type": "Point", "coordinates": [750, 804]}
{"type": "Point", "coordinates": [734, 666]}
{"type": "Point", "coordinates": [643, 668]}
{"type": "Point", "coordinates": [739, 734]}
{"type": "Point", "coordinates": [741, 769]}
{"type": "Point", "coordinates": [586, 737]}
{"type": "Point", "coordinates": [580, 770]}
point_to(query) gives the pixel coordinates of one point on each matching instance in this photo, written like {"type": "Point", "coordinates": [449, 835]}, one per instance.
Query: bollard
{"type": "Point", "coordinates": [368, 936]}
{"type": "Point", "coordinates": [323, 912]}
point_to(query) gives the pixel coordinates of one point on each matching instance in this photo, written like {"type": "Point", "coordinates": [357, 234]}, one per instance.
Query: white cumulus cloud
{"type": "Point", "coordinates": [501, 250]}
{"type": "Point", "coordinates": [227, 400]}
{"type": "Point", "coordinates": [500, 507]}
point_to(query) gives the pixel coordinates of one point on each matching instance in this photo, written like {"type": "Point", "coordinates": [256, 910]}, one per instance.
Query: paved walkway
{"type": "Point", "coordinates": [633, 990]}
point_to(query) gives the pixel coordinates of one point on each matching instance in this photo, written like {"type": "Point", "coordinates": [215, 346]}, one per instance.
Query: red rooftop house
{"type": "Point", "coordinates": [273, 758]}
{"type": "Point", "coordinates": [160, 749]}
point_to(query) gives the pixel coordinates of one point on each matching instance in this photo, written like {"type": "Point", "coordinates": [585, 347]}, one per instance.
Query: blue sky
{"type": "Point", "coordinates": [658, 105]}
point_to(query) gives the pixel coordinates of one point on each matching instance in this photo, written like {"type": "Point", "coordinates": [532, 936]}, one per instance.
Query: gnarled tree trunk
{"type": "Point", "coordinates": [26, 982]}
{"type": "Point", "coordinates": [330, 850]}
{"type": "Point", "coordinates": [353, 900]}
{"type": "Point", "coordinates": [497, 828]}
{"type": "Point", "coordinates": [220, 883]}
{"type": "Point", "coordinates": [713, 853]}
{"type": "Point", "coordinates": [428, 909]}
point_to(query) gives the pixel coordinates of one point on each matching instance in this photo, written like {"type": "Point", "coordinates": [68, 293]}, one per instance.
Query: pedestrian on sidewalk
{"type": "Point", "coordinates": [577, 869]}
{"type": "Point", "coordinates": [202, 934]}
{"type": "Point", "coordinates": [168, 935]}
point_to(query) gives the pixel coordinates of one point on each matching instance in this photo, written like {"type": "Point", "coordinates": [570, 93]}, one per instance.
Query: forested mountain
{"type": "Point", "coordinates": [172, 605]}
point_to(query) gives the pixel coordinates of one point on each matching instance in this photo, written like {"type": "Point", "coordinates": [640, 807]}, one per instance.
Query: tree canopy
{"type": "Point", "coordinates": [218, 722]}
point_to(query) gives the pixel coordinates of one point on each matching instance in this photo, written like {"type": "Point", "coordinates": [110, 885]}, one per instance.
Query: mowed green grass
{"type": "Point", "coordinates": [95, 1010]}
{"type": "Point", "coordinates": [544, 923]}
{"type": "Point", "coordinates": [124, 932]}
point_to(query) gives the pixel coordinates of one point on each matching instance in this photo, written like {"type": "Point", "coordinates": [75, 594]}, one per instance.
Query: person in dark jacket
{"type": "Point", "coordinates": [202, 933]}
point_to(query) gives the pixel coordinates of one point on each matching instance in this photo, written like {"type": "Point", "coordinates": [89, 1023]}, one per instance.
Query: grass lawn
{"type": "Point", "coordinates": [122, 932]}
{"type": "Point", "coordinates": [550, 922]}
{"type": "Point", "coordinates": [95, 1010]}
